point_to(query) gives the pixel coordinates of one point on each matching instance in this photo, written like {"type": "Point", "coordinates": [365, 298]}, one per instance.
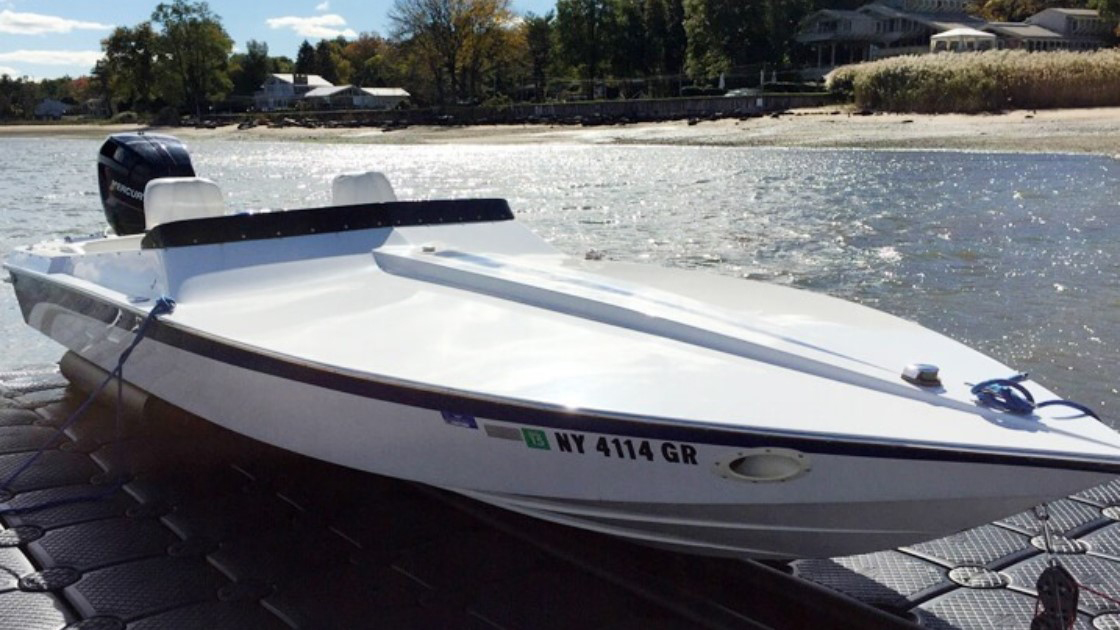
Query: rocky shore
{"type": "Point", "coordinates": [1072, 130]}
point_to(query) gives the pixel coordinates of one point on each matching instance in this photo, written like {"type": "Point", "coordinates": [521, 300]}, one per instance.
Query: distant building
{"type": "Point", "coordinates": [284, 91]}
{"type": "Point", "coordinates": [1080, 29]}
{"type": "Point", "coordinates": [1023, 36]}
{"type": "Point", "coordinates": [962, 40]}
{"type": "Point", "coordinates": [881, 29]}
{"type": "Point", "coordinates": [381, 98]}
{"type": "Point", "coordinates": [50, 109]}
{"type": "Point", "coordinates": [281, 91]}
{"type": "Point", "coordinates": [96, 107]}
{"type": "Point", "coordinates": [906, 27]}
{"type": "Point", "coordinates": [331, 96]}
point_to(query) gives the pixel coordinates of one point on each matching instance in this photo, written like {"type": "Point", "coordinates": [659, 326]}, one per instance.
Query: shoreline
{"type": "Point", "coordinates": [1088, 131]}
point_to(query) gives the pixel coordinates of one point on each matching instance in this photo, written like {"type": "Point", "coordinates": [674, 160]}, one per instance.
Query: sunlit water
{"type": "Point", "coordinates": [1015, 254]}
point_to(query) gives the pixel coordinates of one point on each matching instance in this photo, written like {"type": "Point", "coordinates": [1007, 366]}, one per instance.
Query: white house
{"type": "Point", "coordinates": [281, 91]}
{"type": "Point", "coordinates": [381, 98]}
{"type": "Point", "coordinates": [1080, 28]}
{"type": "Point", "coordinates": [330, 96]}
{"type": "Point", "coordinates": [962, 40]}
{"type": "Point", "coordinates": [886, 28]}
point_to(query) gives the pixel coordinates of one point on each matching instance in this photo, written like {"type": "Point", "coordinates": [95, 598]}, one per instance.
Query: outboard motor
{"type": "Point", "coordinates": [126, 163]}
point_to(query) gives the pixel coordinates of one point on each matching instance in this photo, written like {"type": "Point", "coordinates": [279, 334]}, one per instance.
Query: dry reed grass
{"type": "Point", "coordinates": [982, 82]}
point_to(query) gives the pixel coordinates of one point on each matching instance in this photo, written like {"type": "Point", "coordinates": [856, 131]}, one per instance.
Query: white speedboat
{"type": "Point", "coordinates": [444, 343]}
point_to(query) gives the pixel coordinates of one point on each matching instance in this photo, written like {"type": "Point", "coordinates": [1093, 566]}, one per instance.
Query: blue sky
{"type": "Point", "coordinates": [44, 39]}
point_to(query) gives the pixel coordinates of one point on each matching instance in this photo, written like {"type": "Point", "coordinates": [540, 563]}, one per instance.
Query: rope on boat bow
{"type": "Point", "coordinates": [1007, 394]}
{"type": "Point", "coordinates": [163, 306]}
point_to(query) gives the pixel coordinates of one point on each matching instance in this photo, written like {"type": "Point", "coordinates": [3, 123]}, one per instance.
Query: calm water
{"type": "Point", "coordinates": [1013, 254]}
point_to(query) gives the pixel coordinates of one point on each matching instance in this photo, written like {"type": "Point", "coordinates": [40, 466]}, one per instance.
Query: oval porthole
{"type": "Point", "coordinates": [764, 465]}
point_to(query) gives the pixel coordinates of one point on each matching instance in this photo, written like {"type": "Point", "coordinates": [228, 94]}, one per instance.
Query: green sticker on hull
{"type": "Point", "coordinates": [535, 438]}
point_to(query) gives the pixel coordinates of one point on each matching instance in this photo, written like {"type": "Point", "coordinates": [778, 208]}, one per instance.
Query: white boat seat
{"type": "Point", "coordinates": [348, 189]}
{"type": "Point", "coordinates": [170, 199]}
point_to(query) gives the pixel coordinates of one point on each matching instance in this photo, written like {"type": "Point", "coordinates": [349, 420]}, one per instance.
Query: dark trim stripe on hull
{"type": "Point", "coordinates": [267, 225]}
{"type": "Point", "coordinates": [33, 290]}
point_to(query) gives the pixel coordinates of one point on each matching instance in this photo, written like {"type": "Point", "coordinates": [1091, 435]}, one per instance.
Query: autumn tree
{"type": "Point", "coordinates": [1019, 10]}
{"type": "Point", "coordinates": [454, 39]}
{"type": "Point", "coordinates": [366, 58]}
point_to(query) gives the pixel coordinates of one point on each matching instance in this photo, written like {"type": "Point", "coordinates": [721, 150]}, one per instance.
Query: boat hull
{"type": "Point", "coordinates": [649, 480]}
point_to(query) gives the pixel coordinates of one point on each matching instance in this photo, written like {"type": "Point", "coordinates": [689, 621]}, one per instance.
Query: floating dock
{"type": "Point", "coordinates": [187, 525]}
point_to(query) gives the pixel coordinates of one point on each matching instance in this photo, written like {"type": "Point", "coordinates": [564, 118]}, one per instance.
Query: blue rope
{"type": "Point", "coordinates": [163, 306]}
{"type": "Point", "coordinates": [1007, 394]}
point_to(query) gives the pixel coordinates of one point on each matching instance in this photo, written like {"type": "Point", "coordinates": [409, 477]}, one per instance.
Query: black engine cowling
{"type": "Point", "coordinates": [125, 164]}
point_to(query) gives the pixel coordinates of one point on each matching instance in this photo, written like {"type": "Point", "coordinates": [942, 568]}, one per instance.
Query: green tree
{"type": "Point", "coordinates": [583, 28]}
{"type": "Point", "coordinates": [305, 59]}
{"type": "Point", "coordinates": [100, 81]}
{"type": "Point", "coordinates": [18, 97]}
{"type": "Point", "coordinates": [663, 23]}
{"type": "Point", "coordinates": [1108, 8]}
{"type": "Point", "coordinates": [254, 68]}
{"type": "Point", "coordinates": [706, 55]}
{"type": "Point", "coordinates": [130, 66]}
{"type": "Point", "coordinates": [195, 51]}
{"type": "Point", "coordinates": [281, 65]}
{"type": "Point", "coordinates": [676, 38]}
{"type": "Point", "coordinates": [538, 37]}
{"type": "Point", "coordinates": [326, 62]}
{"type": "Point", "coordinates": [628, 41]}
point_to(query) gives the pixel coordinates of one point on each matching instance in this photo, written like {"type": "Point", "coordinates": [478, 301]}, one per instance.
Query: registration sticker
{"type": "Point", "coordinates": [536, 438]}
{"type": "Point", "coordinates": [459, 419]}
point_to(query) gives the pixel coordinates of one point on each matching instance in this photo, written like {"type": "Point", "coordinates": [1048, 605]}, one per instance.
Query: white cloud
{"type": "Point", "coordinates": [323, 6]}
{"type": "Point", "coordinates": [12, 72]}
{"type": "Point", "coordinates": [38, 24]}
{"type": "Point", "coordinates": [320, 26]}
{"type": "Point", "coordinates": [53, 57]}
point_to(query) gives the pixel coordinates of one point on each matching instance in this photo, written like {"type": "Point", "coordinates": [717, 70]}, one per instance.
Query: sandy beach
{"type": "Point", "coordinates": [1072, 130]}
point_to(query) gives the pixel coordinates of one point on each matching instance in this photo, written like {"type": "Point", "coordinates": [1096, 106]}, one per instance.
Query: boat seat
{"type": "Point", "coordinates": [170, 199]}
{"type": "Point", "coordinates": [349, 189]}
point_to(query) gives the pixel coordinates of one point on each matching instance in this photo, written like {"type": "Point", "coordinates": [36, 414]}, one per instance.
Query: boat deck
{"type": "Point", "coordinates": [211, 529]}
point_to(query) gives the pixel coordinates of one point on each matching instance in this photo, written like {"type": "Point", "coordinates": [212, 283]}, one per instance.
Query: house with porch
{"type": "Point", "coordinates": [881, 29]}
{"type": "Point", "coordinates": [352, 96]}
{"type": "Point", "coordinates": [1080, 29]}
{"type": "Point", "coordinates": [382, 98]}
{"type": "Point", "coordinates": [907, 27]}
{"type": "Point", "coordinates": [281, 91]}
{"type": "Point", "coordinates": [285, 91]}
